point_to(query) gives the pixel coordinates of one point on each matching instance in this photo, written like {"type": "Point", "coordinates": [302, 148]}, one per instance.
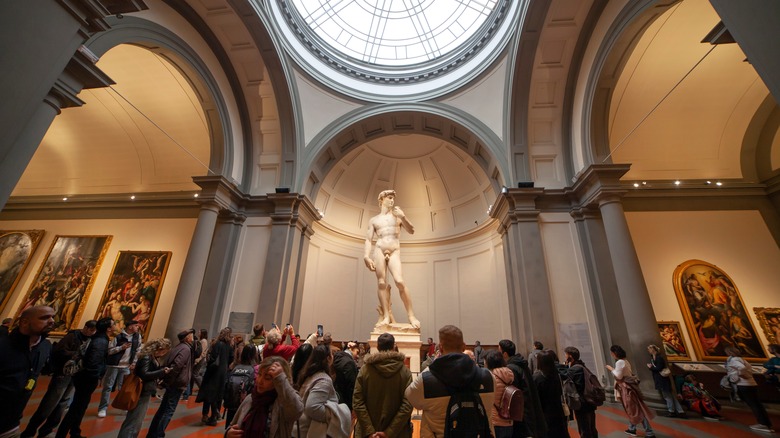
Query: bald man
{"type": "Point", "coordinates": [24, 351]}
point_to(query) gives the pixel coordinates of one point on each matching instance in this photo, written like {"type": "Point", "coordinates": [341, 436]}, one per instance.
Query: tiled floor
{"type": "Point", "coordinates": [611, 421]}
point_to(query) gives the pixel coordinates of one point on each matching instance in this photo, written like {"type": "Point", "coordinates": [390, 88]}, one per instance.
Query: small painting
{"type": "Point", "coordinates": [672, 337]}
{"type": "Point", "coordinates": [714, 313]}
{"type": "Point", "coordinates": [65, 278]}
{"type": "Point", "coordinates": [133, 288]}
{"type": "Point", "coordinates": [769, 320]}
{"type": "Point", "coordinates": [16, 250]}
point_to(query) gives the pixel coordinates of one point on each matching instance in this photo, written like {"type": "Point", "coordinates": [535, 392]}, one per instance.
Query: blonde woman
{"type": "Point", "coordinates": [149, 369]}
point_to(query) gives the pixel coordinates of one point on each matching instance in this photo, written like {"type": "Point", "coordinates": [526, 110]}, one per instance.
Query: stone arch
{"type": "Point", "coordinates": [444, 123]}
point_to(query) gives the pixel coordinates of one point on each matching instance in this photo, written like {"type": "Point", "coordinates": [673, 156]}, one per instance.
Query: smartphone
{"type": "Point", "coordinates": [288, 325]}
{"type": "Point", "coordinates": [319, 330]}
{"type": "Point", "coordinates": [273, 325]}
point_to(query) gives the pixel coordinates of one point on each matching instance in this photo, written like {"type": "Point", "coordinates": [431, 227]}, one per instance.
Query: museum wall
{"type": "Point", "coordinates": [460, 282]}
{"type": "Point", "coordinates": [128, 235]}
{"type": "Point", "coordinates": [737, 242]}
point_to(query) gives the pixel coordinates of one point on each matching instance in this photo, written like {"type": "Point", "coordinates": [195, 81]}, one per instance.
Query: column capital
{"type": "Point", "coordinates": [599, 183]}
{"type": "Point", "coordinates": [516, 205]}
{"type": "Point", "coordinates": [91, 14]}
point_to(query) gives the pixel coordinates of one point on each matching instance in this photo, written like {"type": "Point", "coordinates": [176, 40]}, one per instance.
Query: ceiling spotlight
{"type": "Point", "coordinates": [636, 184]}
{"type": "Point", "coordinates": [719, 183]}
{"type": "Point", "coordinates": [708, 182]}
{"type": "Point", "coordinates": [644, 183]}
{"type": "Point", "coordinates": [503, 189]}
{"type": "Point", "coordinates": [132, 197]}
{"type": "Point", "coordinates": [65, 198]}
{"type": "Point", "coordinates": [196, 195]}
{"type": "Point", "coordinates": [677, 183]}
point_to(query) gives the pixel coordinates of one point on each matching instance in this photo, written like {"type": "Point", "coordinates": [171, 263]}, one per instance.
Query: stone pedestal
{"type": "Point", "coordinates": [407, 338]}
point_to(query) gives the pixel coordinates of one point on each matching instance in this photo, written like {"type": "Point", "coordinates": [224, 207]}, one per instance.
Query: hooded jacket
{"type": "Point", "coordinates": [429, 391]}
{"type": "Point", "coordinates": [533, 416]}
{"type": "Point", "coordinates": [379, 402]}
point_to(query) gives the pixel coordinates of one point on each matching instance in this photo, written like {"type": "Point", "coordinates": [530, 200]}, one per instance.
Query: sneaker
{"type": "Point", "coordinates": [712, 418]}
{"type": "Point", "coordinates": [761, 428]}
{"type": "Point", "coordinates": [630, 432]}
{"type": "Point", "coordinates": [102, 413]}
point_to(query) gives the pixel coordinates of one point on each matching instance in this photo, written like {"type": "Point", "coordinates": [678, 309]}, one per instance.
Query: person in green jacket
{"type": "Point", "coordinates": [381, 409]}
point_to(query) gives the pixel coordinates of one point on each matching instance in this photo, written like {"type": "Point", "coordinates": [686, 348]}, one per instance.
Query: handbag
{"type": "Point", "coordinates": [564, 405]}
{"type": "Point", "coordinates": [128, 395]}
{"type": "Point", "coordinates": [666, 372]}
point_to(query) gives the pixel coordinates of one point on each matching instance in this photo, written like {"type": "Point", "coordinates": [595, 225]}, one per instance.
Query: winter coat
{"type": "Point", "coordinates": [149, 371]}
{"type": "Point", "coordinates": [533, 417]}
{"type": "Point", "coordinates": [286, 410]}
{"type": "Point", "coordinates": [280, 349]}
{"type": "Point", "coordinates": [180, 362]}
{"type": "Point", "coordinates": [379, 402]}
{"type": "Point", "coordinates": [502, 377]}
{"type": "Point", "coordinates": [217, 365]}
{"type": "Point", "coordinates": [346, 371]}
{"type": "Point", "coordinates": [550, 392]}
{"type": "Point", "coordinates": [319, 396]}
{"type": "Point", "coordinates": [95, 357]}
{"type": "Point", "coordinates": [656, 365]}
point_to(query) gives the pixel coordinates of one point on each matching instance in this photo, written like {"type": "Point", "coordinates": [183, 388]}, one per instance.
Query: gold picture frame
{"type": "Point", "coordinates": [673, 340]}
{"type": "Point", "coordinates": [714, 312]}
{"type": "Point", "coordinates": [133, 288]}
{"type": "Point", "coordinates": [16, 249]}
{"type": "Point", "coordinates": [769, 320]}
{"type": "Point", "coordinates": [65, 278]}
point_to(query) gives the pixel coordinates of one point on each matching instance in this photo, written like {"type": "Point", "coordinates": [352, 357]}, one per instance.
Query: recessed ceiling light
{"type": "Point", "coordinates": [644, 183]}
{"type": "Point", "coordinates": [65, 198]}
{"type": "Point", "coordinates": [718, 183]}
{"type": "Point", "coordinates": [132, 197]}
{"type": "Point", "coordinates": [636, 184]}
{"type": "Point", "coordinates": [196, 195]}
{"type": "Point", "coordinates": [708, 182]}
{"type": "Point", "coordinates": [677, 183]}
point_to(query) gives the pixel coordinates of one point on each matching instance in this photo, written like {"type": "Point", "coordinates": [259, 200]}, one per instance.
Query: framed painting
{"type": "Point", "coordinates": [16, 250]}
{"type": "Point", "coordinates": [769, 320]}
{"type": "Point", "coordinates": [133, 288]}
{"type": "Point", "coordinates": [714, 312]}
{"type": "Point", "coordinates": [66, 277]}
{"type": "Point", "coordinates": [672, 337]}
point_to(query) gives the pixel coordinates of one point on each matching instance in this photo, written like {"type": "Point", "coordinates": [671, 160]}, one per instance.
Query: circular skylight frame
{"type": "Point", "coordinates": [485, 35]}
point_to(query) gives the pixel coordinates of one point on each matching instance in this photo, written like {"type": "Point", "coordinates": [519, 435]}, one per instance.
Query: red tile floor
{"type": "Point", "coordinates": [610, 420]}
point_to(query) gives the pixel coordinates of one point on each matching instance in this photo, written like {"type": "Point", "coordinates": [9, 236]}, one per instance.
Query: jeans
{"type": "Point", "coordinates": [165, 412]}
{"type": "Point", "coordinates": [131, 427]}
{"type": "Point", "coordinates": [51, 407]}
{"type": "Point", "coordinates": [749, 394]}
{"type": "Point", "coordinates": [113, 375]}
{"type": "Point", "coordinates": [85, 385]}
{"type": "Point", "coordinates": [672, 405]}
{"type": "Point", "coordinates": [645, 424]}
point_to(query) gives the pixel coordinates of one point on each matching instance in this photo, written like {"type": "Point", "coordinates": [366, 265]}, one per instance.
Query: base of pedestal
{"type": "Point", "coordinates": [407, 342]}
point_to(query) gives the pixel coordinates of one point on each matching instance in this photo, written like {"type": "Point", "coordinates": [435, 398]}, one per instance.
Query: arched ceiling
{"type": "Point", "coordinates": [673, 119]}
{"type": "Point", "coordinates": [147, 133]}
{"type": "Point", "coordinates": [442, 190]}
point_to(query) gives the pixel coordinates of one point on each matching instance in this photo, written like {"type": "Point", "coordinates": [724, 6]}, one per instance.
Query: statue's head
{"type": "Point", "coordinates": [384, 194]}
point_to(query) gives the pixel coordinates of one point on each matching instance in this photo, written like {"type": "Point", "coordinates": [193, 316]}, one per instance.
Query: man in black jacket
{"type": "Point", "coordinates": [60, 390]}
{"type": "Point", "coordinates": [86, 380]}
{"type": "Point", "coordinates": [586, 414]}
{"type": "Point", "coordinates": [24, 352]}
{"type": "Point", "coordinates": [533, 423]}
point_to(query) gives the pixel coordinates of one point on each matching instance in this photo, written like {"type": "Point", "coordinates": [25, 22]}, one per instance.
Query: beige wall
{"type": "Point", "coordinates": [128, 235]}
{"type": "Point", "coordinates": [738, 242]}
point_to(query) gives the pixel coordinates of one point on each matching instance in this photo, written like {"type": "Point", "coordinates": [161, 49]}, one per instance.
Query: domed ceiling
{"type": "Point", "coordinates": [442, 191]}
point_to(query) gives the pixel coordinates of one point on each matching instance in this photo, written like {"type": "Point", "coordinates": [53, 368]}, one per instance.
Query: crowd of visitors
{"type": "Point", "coordinates": [273, 384]}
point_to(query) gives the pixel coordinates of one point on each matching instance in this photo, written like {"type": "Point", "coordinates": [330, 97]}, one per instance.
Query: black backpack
{"type": "Point", "coordinates": [237, 386]}
{"type": "Point", "coordinates": [594, 393]}
{"type": "Point", "coordinates": [466, 416]}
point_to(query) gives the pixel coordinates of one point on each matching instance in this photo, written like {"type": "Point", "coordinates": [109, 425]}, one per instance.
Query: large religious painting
{"type": "Point", "coordinates": [16, 250]}
{"type": "Point", "coordinates": [769, 320]}
{"type": "Point", "coordinates": [714, 312]}
{"type": "Point", "coordinates": [672, 337]}
{"type": "Point", "coordinates": [133, 288]}
{"type": "Point", "coordinates": [65, 278]}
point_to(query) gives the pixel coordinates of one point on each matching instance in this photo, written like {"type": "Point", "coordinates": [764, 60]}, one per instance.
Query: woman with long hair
{"type": "Point", "coordinates": [299, 360]}
{"type": "Point", "coordinates": [656, 365]}
{"type": "Point", "coordinates": [320, 403]}
{"type": "Point", "coordinates": [741, 374]}
{"type": "Point", "coordinates": [628, 393]}
{"type": "Point", "coordinates": [550, 390]}
{"type": "Point", "coordinates": [502, 377]}
{"type": "Point", "coordinates": [273, 406]}
{"type": "Point", "coordinates": [149, 369]}
{"type": "Point", "coordinates": [212, 390]}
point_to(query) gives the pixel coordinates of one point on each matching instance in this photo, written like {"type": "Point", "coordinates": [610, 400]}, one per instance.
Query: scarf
{"type": "Point", "coordinates": [256, 421]}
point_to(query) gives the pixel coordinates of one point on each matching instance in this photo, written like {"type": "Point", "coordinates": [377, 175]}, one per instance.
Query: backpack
{"type": "Point", "coordinates": [237, 386]}
{"type": "Point", "coordinates": [594, 393]}
{"type": "Point", "coordinates": [466, 416]}
{"type": "Point", "coordinates": [76, 364]}
{"type": "Point", "coordinates": [512, 403]}
{"type": "Point", "coordinates": [570, 394]}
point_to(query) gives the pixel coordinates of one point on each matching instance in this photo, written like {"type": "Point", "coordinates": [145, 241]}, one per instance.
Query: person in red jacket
{"type": "Point", "coordinates": [275, 346]}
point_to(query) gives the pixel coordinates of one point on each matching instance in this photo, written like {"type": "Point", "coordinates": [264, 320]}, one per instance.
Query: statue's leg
{"type": "Point", "coordinates": [394, 266]}
{"type": "Point", "coordinates": [383, 291]}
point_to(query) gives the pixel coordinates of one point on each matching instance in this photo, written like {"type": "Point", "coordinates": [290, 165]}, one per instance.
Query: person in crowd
{"type": "Point", "coordinates": [431, 348]}
{"type": "Point", "coordinates": [549, 387]}
{"type": "Point", "coordinates": [148, 368]}
{"type": "Point", "coordinates": [259, 336]}
{"type": "Point", "coordinates": [273, 406]}
{"type": "Point", "coordinates": [5, 327]}
{"type": "Point", "coordinates": [471, 355]}
{"type": "Point", "coordinates": [24, 352]}
{"type": "Point", "coordinates": [275, 346]}
{"type": "Point", "coordinates": [479, 354]}
{"type": "Point", "coordinates": [301, 356]}
{"type": "Point", "coordinates": [60, 390]}
{"type": "Point", "coordinates": [85, 381]}
{"type": "Point", "coordinates": [662, 383]}
{"type": "Point", "coordinates": [503, 377]}
{"type": "Point", "coordinates": [121, 360]}
{"type": "Point", "coordinates": [199, 365]}
{"type": "Point", "coordinates": [533, 423]}
{"type": "Point", "coordinates": [538, 348]}
{"type": "Point", "coordinates": [379, 402]}
{"type": "Point", "coordinates": [453, 370]}
{"type": "Point", "coordinates": [741, 374]}
{"type": "Point", "coordinates": [321, 411]}
{"type": "Point", "coordinates": [345, 371]}
{"type": "Point", "coordinates": [180, 362]}
{"type": "Point", "coordinates": [238, 346]}
{"type": "Point", "coordinates": [245, 368]}
{"type": "Point", "coordinates": [699, 399]}
{"type": "Point", "coordinates": [628, 393]}
{"type": "Point", "coordinates": [212, 390]}
{"type": "Point", "coordinates": [772, 366]}
{"type": "Point", "coordinates": [586, 414]}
